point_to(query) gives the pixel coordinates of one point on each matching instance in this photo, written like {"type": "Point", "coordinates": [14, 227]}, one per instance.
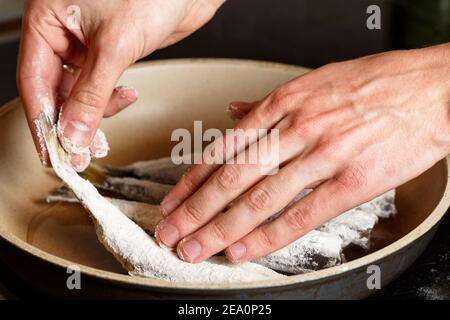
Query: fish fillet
{"type": "Point", "coordinates": [131, 245]}
{"type": "Point", "coordinates": [162, 170]}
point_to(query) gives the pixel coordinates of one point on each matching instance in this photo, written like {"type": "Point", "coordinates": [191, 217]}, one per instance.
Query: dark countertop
{"type": "Point", "coordinates": [429, 276]}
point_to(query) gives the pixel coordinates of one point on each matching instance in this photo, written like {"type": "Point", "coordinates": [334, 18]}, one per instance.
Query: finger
{"type": "Point", "coordinates": [121, 98]}
{"type": "Point", "coordinates": [259, 119]}
{"type": "Point", "coordinates": [70, 49]}
{"type": "Point", "coordinates": [261, 202]}
{"type": "Point", "coordinates": [69, 78]}
{"type": "Point", "coordinates": [85, 107]}
{"type": "Point", "coordinates": [228, 182]}
{"type": "Point", "coordinates": [326, 202]}
{"type": "Point", "coordinates": [38, 74]}
{"type": "Point", "coordinates": [350, 188]}
{"type": "Point", "coordinates": [238, 110]}
{"type": "Point", "coordinates": [73, 53]}
{"type": "Point", "coordinates": [295, 134]}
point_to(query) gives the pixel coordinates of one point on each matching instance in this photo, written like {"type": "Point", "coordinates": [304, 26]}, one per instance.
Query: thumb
{"type": "Point", "coordinates": [86, 104]}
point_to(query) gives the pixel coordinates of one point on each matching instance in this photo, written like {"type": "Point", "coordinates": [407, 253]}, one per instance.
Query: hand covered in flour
{"type": "Point", "coordinates": [73, 53]}
{"type": "Point", "coordinates": [353, 130]}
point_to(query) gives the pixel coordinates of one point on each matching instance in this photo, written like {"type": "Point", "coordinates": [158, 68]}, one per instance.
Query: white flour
{"type": "Point", "coordinates": [131, 245]}
{"type": "Point", "coordinates": [314, 251]}
{"type": "Point", "coordinates": [382, 206]}
{"type": "Point", "coordinates": [42, 145]}
{"type": "Point", "coordinates": [99, 147]}
{"type": "Point", "coordinates": [322, 248]}
{"type": "Point", "coordinates": [353, 227]}
{"type": "Point", "coordinates": [356, 225]}
{"type": "Point", "coordinates": [66, 143]}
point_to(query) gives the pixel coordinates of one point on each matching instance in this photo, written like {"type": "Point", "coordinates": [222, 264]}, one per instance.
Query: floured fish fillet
{"type": "Point", "coordinates": [319, 249]}
{"type": "Point", "coordinates": [161, 170]}
{"type": "Point", "coordinates": [145, 215]}
{"type": "Point", "coordinates": [323, 247]}
{"type": "Point", "coordinates": [131, 188]}
{"type": "Point", "coordinates": [131, 245]}
{"type": "Point", "coordinates": [138, 190]}
{"type": "Point", "coordinates": [355, 226]}
{"type": "Point", "coordinates": [382, 206]}
{"type": "Point", "coordinates": [62, 196]}
{"type": "Point", "coordinates": [314, 251]}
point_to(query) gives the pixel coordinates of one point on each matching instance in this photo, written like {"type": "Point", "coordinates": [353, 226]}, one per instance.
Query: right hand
{"type": "Point", "coordinates": [98, 44]}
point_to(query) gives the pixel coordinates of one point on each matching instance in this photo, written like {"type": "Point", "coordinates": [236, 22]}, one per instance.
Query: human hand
{"type": "Point", "coordinates": [354, 130]}
{"type": "Point", "coordinates": [73, 53]}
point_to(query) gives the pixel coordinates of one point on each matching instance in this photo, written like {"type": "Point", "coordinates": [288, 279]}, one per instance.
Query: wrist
{"type": "Point", "coordinates": [434, 65]}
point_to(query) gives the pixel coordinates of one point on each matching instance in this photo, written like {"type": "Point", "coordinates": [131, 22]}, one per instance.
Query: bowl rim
{"type": "Point", "coordinates": [147, 283]}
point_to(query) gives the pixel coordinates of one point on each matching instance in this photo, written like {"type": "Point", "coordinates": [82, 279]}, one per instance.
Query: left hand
{"type": "Point", "coordinates": [354, 129]}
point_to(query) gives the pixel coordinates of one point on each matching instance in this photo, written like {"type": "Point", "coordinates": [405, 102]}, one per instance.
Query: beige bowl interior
{"type": "Point", "coordinates": [172, 95]}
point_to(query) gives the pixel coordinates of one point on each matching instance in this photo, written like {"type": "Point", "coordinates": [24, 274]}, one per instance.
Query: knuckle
{"type": "Point", "coordinates": [352, 178]}
{"type": "Point", "coordinates": [259, 199]}
{"type": "Point", "coordinates": [113, 45]}
{"type": "Point", "coordinates": [298, 218]}
{"type": "Point", "coordinates": [219, 231]}
{"type": "Point", "coordinates": [284, 99]}
{"type": "Point", "coordinates": [263, 238]}
{"type": "Point", "coordinates": [189, 182]}
{"type": "Point", "coordinates": [304, 127]}
{"type": "Point", "coordinates": [276, 101]}
{"type": "Point", "coordinates": [228, 177]}
{"type": "Point", "coordinates": [274, 108]}
{"type": "Point", "coordinates": [331, 150]}
{"type": "Point", "coordinates": [281, 96]}
{"type": "Point", "coordinates": [90, 100]}
{"type": "Point", "coordinates": [193, 213]}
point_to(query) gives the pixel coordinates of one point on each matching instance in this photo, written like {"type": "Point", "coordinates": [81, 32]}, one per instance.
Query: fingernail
{"type": "Point", "coordinates": [189, 250]}
{"type": "Point", "coordinates": [234, 111]}
{"type": "Point", "coordinates": [230, 109]}
{"type": "Point", "coordinates": [127, 93]}
{"type": "Point", "coordinates": [80, 162]}
{"type": "Point", "coordinates": [99, 146]}
{"type": "Point", "coordinates": [76, 135]}
{"type": "Point", "coordinates": [167, 206]}
{"type": "Point", "coordinates": [236, 251]}
{"type": "Point", "coordinates": [167, 234]}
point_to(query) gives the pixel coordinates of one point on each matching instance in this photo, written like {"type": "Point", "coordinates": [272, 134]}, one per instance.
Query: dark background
{"type": "Point", "coordinates": [309, 33]}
